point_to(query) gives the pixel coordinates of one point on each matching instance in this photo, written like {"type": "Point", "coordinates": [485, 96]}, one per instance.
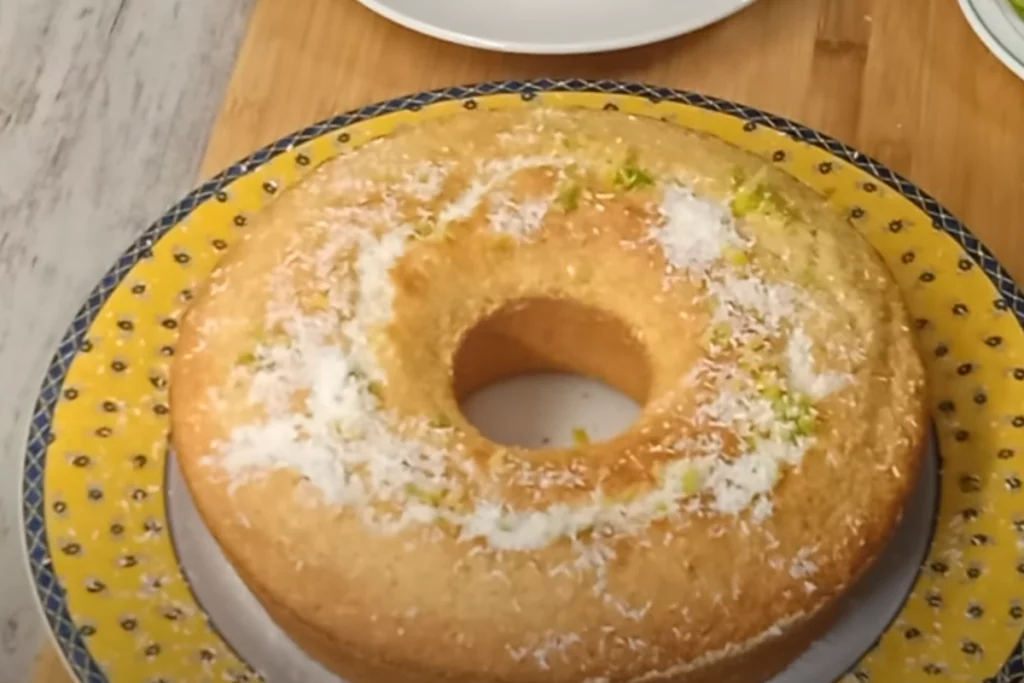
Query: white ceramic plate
{"type": "Point", "coordinates": [555, 26]}
{"type": "Point", "coordinates": [999, 28]}
{"type": "Point", "coordinates": [555, 405]}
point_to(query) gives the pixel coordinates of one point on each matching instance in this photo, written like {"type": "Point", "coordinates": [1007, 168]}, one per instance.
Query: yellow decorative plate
{"type": "Point", "coordinates": [136, 591]}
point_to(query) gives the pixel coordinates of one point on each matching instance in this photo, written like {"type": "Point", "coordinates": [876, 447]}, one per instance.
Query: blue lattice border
{"type": "Point", "coordinates": [51, 594]}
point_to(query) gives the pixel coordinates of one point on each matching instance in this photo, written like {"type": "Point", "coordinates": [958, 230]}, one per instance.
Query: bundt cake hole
{"type": "Point", "coordinates": [528, 357]}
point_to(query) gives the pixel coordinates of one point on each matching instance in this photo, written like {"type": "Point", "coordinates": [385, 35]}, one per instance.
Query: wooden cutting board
{"type": "Point", "coordinates": [905, 82]}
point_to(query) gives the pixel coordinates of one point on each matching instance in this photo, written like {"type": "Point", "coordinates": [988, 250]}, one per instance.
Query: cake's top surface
{"type": "Point", "coordinates": [782, 396]}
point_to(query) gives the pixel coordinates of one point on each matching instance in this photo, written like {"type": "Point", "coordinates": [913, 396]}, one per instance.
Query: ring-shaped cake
{"type": "Point", "coordinates": [315, 405]}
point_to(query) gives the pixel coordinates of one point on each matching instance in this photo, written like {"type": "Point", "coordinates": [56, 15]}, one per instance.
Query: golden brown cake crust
{"type": "Point", "coordinates": [483, 290]}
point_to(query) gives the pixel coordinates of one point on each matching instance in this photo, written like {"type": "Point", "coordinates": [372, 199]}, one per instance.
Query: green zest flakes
{"type": "Point", "coordinates": [630, 176]}
{"type": "Point", "coordinates": [756, 196]}
{"type": "Point", "coordinates": [796, 412]}
{"type": "Point", "coordinates": [376, 390]}
{"type": "Point", "coordinates": [247, 358]}
{"type": "Point", "coordinates": [434, 498]}
{"type": "Point", "coordinates": [580, 436]}
{"type": "Point", "coordinates": [424, 229]}
{"type": "Point", "coordinates": [691, 482]}
{"type": "Point", "coordinates": [568, 199]}
{"type": "Point", "coordinates": [749, 200]}
{"type": "Point", "coordinates": [440, 421]}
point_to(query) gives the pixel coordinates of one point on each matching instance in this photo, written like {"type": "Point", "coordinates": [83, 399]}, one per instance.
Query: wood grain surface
{"type": "Point", "coordinates": [904, 81]}
{"type": "Point", "coordinates": [105, 108]}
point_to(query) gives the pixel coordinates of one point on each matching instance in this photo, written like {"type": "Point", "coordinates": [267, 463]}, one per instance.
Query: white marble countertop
{"type": "Point", "coordinates": [105, 107]}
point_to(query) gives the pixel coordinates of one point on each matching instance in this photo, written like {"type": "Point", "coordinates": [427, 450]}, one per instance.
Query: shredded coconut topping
{"type": "Point", "coordinates": [695, 231]}
{"type": "Point", "coordinates": [319, 381]}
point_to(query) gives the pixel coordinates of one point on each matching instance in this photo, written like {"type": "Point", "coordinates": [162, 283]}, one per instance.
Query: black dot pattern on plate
{"type": "Point", "coordinates": [970, 483]}
{"type": "Point", "coordinates": [172, 613]}
{"type": "Point", "coordinates": [964, 407]}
